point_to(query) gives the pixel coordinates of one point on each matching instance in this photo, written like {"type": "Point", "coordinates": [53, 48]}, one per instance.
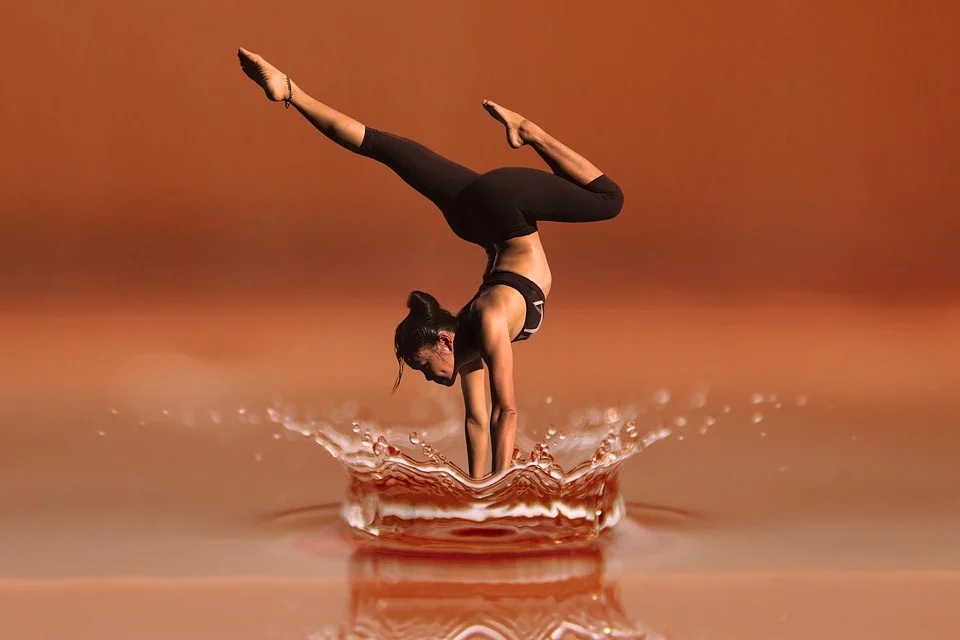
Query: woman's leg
{"type": "Point", "coordinates": [562, 160]}
{"type": "Point", "coordinates": [430, 174]}
{"type": "Point", "coordinates": [427, 172]}
{"type": "Point", "coordinates": [585, 194]}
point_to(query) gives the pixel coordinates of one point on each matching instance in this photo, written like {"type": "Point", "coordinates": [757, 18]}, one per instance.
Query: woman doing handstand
{"type": "Point", "coordinates": [497, 210]}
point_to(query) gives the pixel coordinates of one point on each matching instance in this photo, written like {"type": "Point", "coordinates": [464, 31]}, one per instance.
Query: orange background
{"type": "Point", "coordinates": [763, 147]}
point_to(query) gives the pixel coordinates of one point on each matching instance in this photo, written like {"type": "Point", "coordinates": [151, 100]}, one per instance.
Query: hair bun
{"type": "Point", "coordinates": [422, 304]}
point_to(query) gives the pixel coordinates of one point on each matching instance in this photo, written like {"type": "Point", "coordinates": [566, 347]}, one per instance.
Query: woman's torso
{"type": "Point", "coordinates": [525, 256]}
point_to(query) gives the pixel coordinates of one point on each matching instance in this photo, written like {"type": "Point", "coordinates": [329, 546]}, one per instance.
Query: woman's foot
{"type": "Point", "coordinates": [520, 131]}
{"type": "Point", "coordinates": [271, 80]}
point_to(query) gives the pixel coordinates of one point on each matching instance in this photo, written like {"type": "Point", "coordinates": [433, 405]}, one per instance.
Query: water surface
{"type": "Point", "coordinates": [808, 485]}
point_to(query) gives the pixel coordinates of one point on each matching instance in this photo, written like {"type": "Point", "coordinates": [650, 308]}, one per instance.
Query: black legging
{"type": "Point", "coordinates": [490, 208]}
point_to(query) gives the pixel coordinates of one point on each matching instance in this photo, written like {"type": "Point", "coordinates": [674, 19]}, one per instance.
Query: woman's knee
{"type": "Point", "coordinates": [610, 194]}
{"type": "Point", "coordinates": [613, 203]}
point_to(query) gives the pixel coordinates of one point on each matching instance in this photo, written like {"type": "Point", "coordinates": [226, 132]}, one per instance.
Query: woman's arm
{"type": "Point", "coordinates": [476, 422]}
{"type": "Point", "coordinates": [498, 356]}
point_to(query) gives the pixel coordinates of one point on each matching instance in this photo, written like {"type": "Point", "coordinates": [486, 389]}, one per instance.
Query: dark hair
{"type": "Point", "coordinates": [421, 328]}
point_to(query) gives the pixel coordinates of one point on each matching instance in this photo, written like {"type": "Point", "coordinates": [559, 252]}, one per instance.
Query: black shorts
{"type": "Point", "coordinates": [487, 209]}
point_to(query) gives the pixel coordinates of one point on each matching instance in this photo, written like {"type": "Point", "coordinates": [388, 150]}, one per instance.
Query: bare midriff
{"type": "Point", "coordinates": [525, 256]}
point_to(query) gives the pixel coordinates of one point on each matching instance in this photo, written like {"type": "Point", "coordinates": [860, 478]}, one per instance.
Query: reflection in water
{"type": "Point", "coordinates": [564, 593]}
{"type": "Point", "coordinates": [418, 596]}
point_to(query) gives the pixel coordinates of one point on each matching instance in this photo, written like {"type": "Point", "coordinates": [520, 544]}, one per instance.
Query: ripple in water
{"type": "Point", "coordinates": [566, 495]}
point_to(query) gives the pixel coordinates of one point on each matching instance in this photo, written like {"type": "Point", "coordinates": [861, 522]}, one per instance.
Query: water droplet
{"type": "Point", "coordinates": [380, 446]}
{"type": "Point", "coordinates": [726, 409]}
{"type": "Point", "coordinates": [699, 401]}
{"type": "Point", "coordinates": [654, 436]}
{"type": "Point", "coordinates": [801, 400]}
{"type": "Point", "coordinates": [366, 438]}
{"type": "Point", "coordinates": [143, 423]}
{"type": "Point", "coordinates": [258, 457]}
{"type": "Point", "coordinates": [704, 429]}
{"type": "Point", "coordinates": [611, 415]}
{"type": "Point", "coordinates": [414, 438]}
{"type": "Point", "coordinates": [276, 436]}
{"type": "Point", "coordinates": [438, 458]}
{"type": "Point", "coordinates": [777, 405]}
{"type": "Point", "coordinates": [661, 397]}
{"type": "Point", "coordinates": [763, 434]}
{"type": "Point", "coordinates": [757, 418]}
{"type": "Point", "coordinates": [756, 398]}
{"type": "Point", "coordinates": [551, 430]}
{"type": "Point", "coordinates": [355, 426]}
{"type": "Point", "coordinates": [215, 416]}
{"type": "Point", "coordinates": [680, 437]}
{"type": "Point", "coordinates": [541, 455]}
{"type": "Point", "coordinates": [548, 400]}
{"type": "Point", "coordinates": [561, 436]}
{"type": "Point", "coordinates": [772, 397]}
{"type": "Point", "coordinates": [680, 421]}
{"type": "Point", "coordinates": [101, 433]}
{"type": "Point", "coordinates": [710, 421]}
{"type": "Point", "coordinates": [241, 411]}
{"type": "Point", "coordinates": [273, 414]}
{"type": "Point", "coordinates": [114, 411]}
{"type": "Point", "coordinates": [165, 412]}
{"type": "Point", "coordinates": [782, 469]}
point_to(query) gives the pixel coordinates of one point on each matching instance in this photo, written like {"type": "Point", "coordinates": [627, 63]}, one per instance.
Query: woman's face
{"type": "Point", "coordinates": [437, 362]}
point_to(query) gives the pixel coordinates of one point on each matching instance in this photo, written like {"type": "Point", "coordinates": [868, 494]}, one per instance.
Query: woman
{"type": "Point", "coordinates": [499, 211]}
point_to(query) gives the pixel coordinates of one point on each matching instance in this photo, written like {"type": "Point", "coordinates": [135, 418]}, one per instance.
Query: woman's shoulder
{"type": "Point", "coordinates": [488, 305]}
{"type": "Point", "coordinates": [491, 312]}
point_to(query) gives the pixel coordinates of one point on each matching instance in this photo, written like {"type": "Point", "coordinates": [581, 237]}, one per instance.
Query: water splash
{"type": "Point", "coordinates": [404, 493]}
{"type": "Point", "coordinates": [563, 488]}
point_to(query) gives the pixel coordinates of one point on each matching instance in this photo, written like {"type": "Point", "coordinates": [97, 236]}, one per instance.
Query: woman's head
{"type": "Point", "coordinates": [424, 339]}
